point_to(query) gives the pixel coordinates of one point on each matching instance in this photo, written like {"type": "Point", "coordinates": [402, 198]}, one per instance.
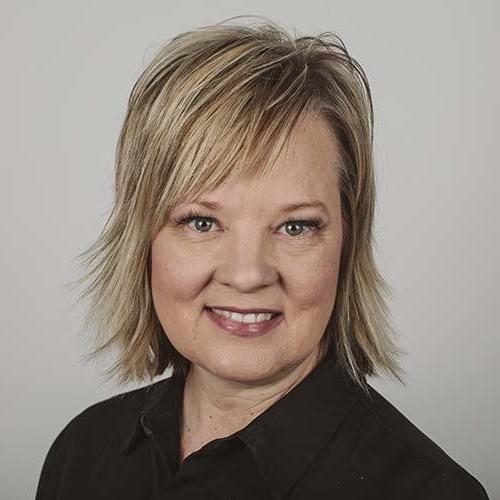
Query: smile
{"type": "Point", "coordinates": [244, 325]}
{"type": "Point", "coordinates": [244, 318]}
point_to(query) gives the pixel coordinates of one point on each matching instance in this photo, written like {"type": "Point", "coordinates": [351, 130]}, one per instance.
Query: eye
{"type": "Point", "coordinates": [190, 216]}
{"type": "Point", "coordinates": [205, 221]}
{"type": "Point", "coordinates": [312, 225]}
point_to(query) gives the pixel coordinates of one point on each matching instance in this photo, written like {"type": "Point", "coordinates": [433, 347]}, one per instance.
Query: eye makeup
{"type": "Point", "coordinates": [314, 224]}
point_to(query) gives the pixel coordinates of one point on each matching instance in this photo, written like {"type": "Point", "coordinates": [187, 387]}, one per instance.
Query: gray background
{"type": "Point", "coordinates": [68, 68]}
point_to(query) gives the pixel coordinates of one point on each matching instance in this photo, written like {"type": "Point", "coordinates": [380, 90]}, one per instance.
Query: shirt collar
{"type": "Point", "coordinates": [286, 437]}
{"type": "Point", "coordinates": [155, 393]}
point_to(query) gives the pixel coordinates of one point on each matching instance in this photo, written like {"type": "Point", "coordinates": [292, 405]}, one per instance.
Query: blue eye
{"type": "Point", "coordinates": [190, 216]}
{"type": "Point", "coordinates": [313, 225]}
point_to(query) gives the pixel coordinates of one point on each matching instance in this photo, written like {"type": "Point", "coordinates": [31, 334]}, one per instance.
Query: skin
{"type": "Point", "coordinates": [250, 257]}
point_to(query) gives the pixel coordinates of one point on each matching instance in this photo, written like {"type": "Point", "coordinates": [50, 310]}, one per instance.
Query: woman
{"type": "Point", "coordinates": [239, 254]}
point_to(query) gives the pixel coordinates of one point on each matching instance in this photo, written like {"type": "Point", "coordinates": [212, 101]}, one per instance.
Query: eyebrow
{"type": "Point", "coordinates": [290, 207]}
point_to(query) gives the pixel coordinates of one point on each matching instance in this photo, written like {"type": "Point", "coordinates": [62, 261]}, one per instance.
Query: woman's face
{"type": "Point", "coordinates": [249, 255]}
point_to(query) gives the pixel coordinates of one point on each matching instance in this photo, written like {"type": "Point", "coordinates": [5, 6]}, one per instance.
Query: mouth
{"type": "Point", "coordinates": [273, 313]}
{"type": "Point", "coordinates": [250, 326]}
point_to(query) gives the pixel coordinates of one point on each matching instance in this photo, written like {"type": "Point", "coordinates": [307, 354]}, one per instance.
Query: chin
{"type": "Point", "coordinates": [242, 367]}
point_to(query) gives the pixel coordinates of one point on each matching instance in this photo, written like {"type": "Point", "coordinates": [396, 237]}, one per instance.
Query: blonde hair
{"type": "Point", "coordinates": [219, 101]}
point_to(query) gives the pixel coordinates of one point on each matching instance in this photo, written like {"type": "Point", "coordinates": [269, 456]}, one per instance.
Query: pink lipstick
{"type": "Point", "coordinates": [244, 329]}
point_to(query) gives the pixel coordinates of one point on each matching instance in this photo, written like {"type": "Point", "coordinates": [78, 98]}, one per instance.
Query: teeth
{"type": "Point", "coordinates": [244, 318]}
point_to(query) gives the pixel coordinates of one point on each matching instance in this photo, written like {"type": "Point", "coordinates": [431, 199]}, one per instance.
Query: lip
{"type": "Point", "coordinates": [256, 310]}
{"type": "Point", "coordinates": [244, 329]}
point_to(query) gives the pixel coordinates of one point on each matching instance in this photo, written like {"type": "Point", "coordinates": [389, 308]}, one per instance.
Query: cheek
{"type": "Point", "coordinates": [314, 283]}
{"type": "Point", "coordinates": [174, 274]}
{"type": "Point", "coordinates": [175, 283]}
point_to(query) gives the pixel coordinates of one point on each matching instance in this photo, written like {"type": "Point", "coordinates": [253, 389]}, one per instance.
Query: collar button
{"type": "Point", "coordinates": [147, 429]}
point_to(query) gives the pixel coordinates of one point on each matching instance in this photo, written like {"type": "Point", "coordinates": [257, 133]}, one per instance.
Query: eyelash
{"type": "Point", "coordinates": [315, 224]}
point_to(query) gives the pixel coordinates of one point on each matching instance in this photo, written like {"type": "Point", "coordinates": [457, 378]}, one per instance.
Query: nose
{"type": "Point", "coordinates": [247, 261]}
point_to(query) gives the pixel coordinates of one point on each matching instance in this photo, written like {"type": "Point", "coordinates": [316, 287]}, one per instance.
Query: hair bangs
{"type": "Point", "coordinates": [236, 133]}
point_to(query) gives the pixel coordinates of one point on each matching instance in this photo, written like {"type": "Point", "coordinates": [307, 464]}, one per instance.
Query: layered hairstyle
{"type": "Point", "coordinates": [222, 101]}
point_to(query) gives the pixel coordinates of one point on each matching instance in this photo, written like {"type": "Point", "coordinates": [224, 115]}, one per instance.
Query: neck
{"type": "Point", "coordinates": [214, 408]}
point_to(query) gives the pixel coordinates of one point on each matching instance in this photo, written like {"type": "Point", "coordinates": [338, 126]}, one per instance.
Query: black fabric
{"type": "Point", "coordinates": [325, 439]}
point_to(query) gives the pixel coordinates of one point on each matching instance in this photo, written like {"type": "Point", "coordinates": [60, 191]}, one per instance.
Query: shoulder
{"type": "Point", "coordinates": [432, 472]}
{"type": "Point", "coordinates": [451, 484]}
{"type": "Point", "coordinates": [97, 432]}
{"type": "Point", "coordinates": [116, 412]}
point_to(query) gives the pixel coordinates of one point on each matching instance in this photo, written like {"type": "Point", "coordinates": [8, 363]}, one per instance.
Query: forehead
{"type": "Point", "coordinates": [306, 172]}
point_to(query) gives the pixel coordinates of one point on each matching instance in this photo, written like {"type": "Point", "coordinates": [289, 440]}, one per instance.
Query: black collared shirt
{"type": "Point", "coordinates": [325, 439]}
